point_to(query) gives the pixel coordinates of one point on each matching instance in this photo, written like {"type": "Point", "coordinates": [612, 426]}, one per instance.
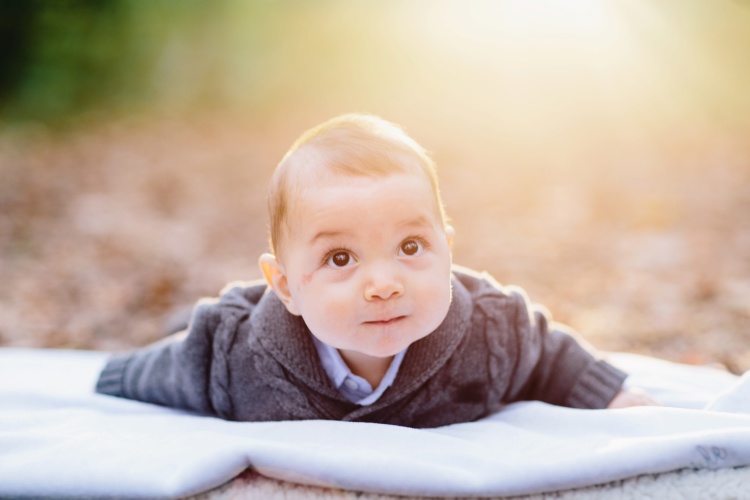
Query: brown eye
{"type": "Point", "coordinates": [339, 259]}
{"type": "Point", "coordinates": [410, 247]}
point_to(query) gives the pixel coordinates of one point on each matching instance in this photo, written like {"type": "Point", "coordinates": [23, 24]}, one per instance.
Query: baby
{"type": "Point", "coordinates": [362, 316]}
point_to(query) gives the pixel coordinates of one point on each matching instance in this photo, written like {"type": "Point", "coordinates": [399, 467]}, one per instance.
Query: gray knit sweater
{"type": "Point", "coordinates": [244, 357]}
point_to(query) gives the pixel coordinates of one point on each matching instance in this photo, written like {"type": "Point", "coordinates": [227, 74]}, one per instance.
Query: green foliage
{"type": "Point", "coordinates": [69, 57]}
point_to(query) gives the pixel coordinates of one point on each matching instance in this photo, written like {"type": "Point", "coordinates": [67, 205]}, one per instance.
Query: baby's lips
{"type": "Point", "coordinates": [386, 320]}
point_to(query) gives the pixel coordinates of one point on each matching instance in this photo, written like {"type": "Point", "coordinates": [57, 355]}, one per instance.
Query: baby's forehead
{"type": "Point", "coordinates": [313, 166]}
{"type": "Point", "coordinates": [317, 184]}
{"type": "Point", "coordinates": [342, 203]}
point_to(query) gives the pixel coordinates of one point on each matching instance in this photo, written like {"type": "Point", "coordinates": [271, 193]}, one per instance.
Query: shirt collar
{"type": "Point", "coordinates": [353, 387]}
{"type": "Point", "coordinates": [333, 363]}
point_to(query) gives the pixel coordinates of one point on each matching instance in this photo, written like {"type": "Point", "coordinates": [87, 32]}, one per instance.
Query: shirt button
{"type": "Point", "coordinates": [351, 384]}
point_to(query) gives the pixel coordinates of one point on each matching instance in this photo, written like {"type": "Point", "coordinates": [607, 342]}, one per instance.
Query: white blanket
{"type": "Point", "coordinates": [57, 438]}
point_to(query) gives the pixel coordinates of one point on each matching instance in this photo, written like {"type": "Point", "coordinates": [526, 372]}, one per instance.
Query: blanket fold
{"type": "Point", "coordinates": [58, 438]}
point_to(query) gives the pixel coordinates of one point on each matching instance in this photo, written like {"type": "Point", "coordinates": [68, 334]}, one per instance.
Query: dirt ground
{"type": "Point", "coordinates": [107, 231]}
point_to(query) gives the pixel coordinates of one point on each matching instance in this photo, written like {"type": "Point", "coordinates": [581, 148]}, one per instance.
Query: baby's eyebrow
{"type": "Point", "coordinates": [420, 221]}
{"type": "Point", "coordinates": [326, 235]}
{"type": "Point", "coordinates": [416, 222]}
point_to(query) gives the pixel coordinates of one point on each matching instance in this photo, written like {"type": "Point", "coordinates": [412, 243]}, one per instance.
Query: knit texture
{"type": "Point", "coordinates": [244, 357]}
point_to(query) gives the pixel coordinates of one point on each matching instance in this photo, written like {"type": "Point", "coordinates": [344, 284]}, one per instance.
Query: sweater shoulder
{"type": "Point", "coordinates": [503, 309]}
{"type": "Point", "coordinates": [238, 297]}
{"type": "Point", "coordinates": [487, 292]}
{"type": "Point", "coordinates": [222, 320]}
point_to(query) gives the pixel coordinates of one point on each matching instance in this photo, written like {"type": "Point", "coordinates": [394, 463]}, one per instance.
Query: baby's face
{"type": "Point", "coordinates": [367, 261]}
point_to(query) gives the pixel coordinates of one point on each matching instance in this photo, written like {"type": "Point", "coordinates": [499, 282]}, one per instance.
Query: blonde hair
{"type": "Point", "coordinates": [352, 144]}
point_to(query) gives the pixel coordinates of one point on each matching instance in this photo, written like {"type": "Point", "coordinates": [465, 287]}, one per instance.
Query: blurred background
{"type": "Point", "coordinates": [597, 153]}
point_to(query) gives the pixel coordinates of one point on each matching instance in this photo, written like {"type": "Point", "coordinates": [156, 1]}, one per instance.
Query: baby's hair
{"type": "Point", "coordinates": [351, 144]}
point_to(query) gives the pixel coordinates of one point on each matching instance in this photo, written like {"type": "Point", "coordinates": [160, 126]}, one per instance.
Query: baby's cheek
{"type": "Point", "coordinates": [325, 311]}
{"type": "Point", "coordinates": [336, 310]}
{"type": "Point", "coordinates": [438, 296]}
{"type": "Point", "coordinates": [329, 304]}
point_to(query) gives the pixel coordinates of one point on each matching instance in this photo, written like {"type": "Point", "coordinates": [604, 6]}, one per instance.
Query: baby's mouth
{"type": "Point", "coordinates": [384, 322]}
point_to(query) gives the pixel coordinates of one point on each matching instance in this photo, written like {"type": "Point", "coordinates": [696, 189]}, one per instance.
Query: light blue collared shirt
{"type": "Point", "coordinates": [351, 386]}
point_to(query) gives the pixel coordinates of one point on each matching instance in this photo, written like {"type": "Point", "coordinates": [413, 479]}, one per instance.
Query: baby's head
{"type": "Point", "coordinates": [353, 145]}
{"type": "Point", "coordinates": [361, 249]}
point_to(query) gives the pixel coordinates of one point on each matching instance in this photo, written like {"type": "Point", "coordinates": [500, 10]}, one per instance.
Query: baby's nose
{"type": "Point", "coordinates": [383, 285]}
{"type": "Point", "coordinates": [384, 292]}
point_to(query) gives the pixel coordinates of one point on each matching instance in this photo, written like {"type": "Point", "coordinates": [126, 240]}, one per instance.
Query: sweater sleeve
{"type": "Point", "coordinates": [554, 365]}
{"type": "Point", "coordinates": [186, 370]}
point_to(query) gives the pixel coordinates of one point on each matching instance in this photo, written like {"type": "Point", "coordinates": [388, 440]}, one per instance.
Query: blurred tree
{"type": "Point", "coordinates": [61, 58]}
{"type": "Point", "coordinates": [16, 19]}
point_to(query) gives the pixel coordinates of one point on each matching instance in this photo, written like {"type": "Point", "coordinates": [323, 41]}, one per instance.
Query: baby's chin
{"type": "Point", "coordinates": [388, 349]}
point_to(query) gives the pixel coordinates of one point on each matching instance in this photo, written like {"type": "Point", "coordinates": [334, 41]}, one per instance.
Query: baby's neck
{"type": "Point", "coordinates": [369, 368]}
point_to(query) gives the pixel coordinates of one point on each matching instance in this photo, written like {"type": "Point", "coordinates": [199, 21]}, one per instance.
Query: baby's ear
{"type": "Point", "coordinates": [449, 234]}
{"type": "Point", "coordinates": [276, 278]}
